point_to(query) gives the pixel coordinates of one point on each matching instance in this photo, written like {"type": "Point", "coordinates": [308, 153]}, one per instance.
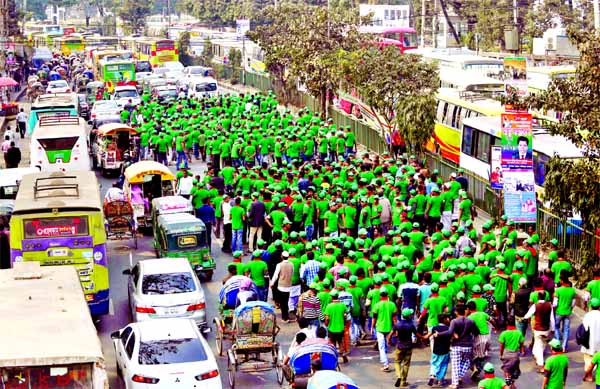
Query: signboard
{"type": "Point", "coordinates": [55, 227]}
{"type": "Point", "coordinates": [242, 26]}
{"type": "Point", "coordinates": [386, 15]}
{"type": "Point", "coordinates": [496, 178]}
{"type": "Point", "coordinates": [516, 167]}
{"type": "Point", "coordinates": [516, 69]}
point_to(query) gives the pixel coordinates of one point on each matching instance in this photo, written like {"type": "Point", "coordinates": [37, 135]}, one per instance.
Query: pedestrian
{"type": "Point", "coordinates": [520, 304]}
{"type": "Point", "coordinates": [591, 323]}
{"type": "Point", "coordinates": [257, 270]}
{"type": "Point", "coordinates": [564, 301]}
{"type": "Point", "coordinates": [335, 318]}
{"type": "Point", "coordinates": [12, 158]}
{"type": "Point", "coordinates": [206, 213]}
{"type": "Point", "coordinates": [256, 220]}
{"type": "Point", "coordinates": [490, 381]}
{"type": "Point", "coordinates": [463, 331]}
{"type": "Point", "coordinates": [511, 343]}
{"type": "Point", "coordinates": [309, 306]}
{"type": "Point", "coordinates": [4, 244]}
{"type": "Point", "coordinates": [543, 325]}
{"type": "Point", "coordinates": [588, 372]}
{"type": "Point", "coordinates": [384, 317]}
{"type": "Point", "coordinates": [283, 278]}
{"type": "Point", "coordinates": [227, 231]}
{"type": "Point", "coordinates": [22, 122]}
{"type": "Point", "coordinates": [481, 343]}
{"type": "Point", "coordinates": [556, 367]}
{"type": "Point", "coordinates": [185, 184]}
{"type": "Point", "coordinates": [440, 351]}
{"type": "Point", "coordinates": [238, 216]}
{"type": "Point", "coordinates": [404, 329]}
{"type": "Point", "coordinates": [4, 148]}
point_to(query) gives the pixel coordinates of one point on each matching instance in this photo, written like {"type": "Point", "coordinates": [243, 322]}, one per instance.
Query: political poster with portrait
{"type": "Point", "coordinates": [519, 196]}
{"type": "Point", "coordinates": [516, 141]}
{"type": "Point", "coordinates": [496, 175]}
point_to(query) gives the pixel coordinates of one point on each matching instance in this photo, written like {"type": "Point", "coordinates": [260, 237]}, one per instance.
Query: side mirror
{"type": "Point", "coordinates": [127, 272]}
{"type": "Point", "coordinates": [115, 335]}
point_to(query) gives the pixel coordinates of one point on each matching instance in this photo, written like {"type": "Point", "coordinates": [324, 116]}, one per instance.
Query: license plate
{"type": "Point", "coordinates": [58, 253]}
{"type": "Point", "coordinates": [171, 311]}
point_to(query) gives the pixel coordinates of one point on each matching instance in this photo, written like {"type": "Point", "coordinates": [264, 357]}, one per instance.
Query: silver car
{"type": "Point", "coordinates": [166, 288]}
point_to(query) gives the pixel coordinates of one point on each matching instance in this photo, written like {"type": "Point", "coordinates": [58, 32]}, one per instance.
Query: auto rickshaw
{"type": "Point", "coordinates": [110, 142]}
{"type": "Point", "coordinates": [81, 82]}
{"type": "Point", "coordinates": [92, 89]}
{"type": "Point", "coordinates": [170, 204]}
{"type": "Point", "coordinates": [145, 181]}
{"type": "Point", "coordinates": [181, 235]}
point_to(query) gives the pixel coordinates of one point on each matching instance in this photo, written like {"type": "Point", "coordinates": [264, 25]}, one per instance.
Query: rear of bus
{"type": "Point", "coordinates": [59, 144]}
{"type": "Point", "coordinates": [56, 104]}
{"type": "Point", "coordinates": [163, 50]}
{"type": "Point", "coordinates": [58, 220]}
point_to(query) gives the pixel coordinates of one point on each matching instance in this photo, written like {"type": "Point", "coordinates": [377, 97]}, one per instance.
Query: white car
{"type": "Point", "coordinates": [173, 66]}
{"type": "Point", "coordinates": [167, 353]}
{"type": "Point", "coordinates": [58, 86]}
{"type": "Point", "coordinates": [126, 94]}
{"type": "Point", "coordinates": [166, 288]}
{"type": "Point", "coordinates": [104, 111]}
{"type": "Point", "coordinates": [198, 71]}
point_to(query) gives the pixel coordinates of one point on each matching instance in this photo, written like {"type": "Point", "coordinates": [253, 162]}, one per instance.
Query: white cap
{"type": "Point", "coordinates": [522, 281]}
{"type": "Point", "coordinates": [453, 175]}
{"type": "Point", "coordinates": [285, 254]}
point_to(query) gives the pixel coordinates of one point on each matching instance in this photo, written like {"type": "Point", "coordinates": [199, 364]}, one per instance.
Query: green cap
{"type": "Point", "coordinates": [467, 250]}
{"type": "Point", "coordinates": [260, 242]}
{"type": "Point", "coordinates": [334, 293]}
{"type": "Point", "coordinates": [487, 287]}
{"type": "Point", "coordinates": [407, 312]}
{"type": "Point", "coordinates": [554, 242]}
{"type": "Point", "coordinates": [501, 266]}
{"type": "Point", "coordinates": [238, 253]}
{"type": "Point", "coordinates": [353, 279]}
{"type": "Point", "coordinates": [470, 266]}
{"type": "Point", "coordinates": [342, 271]}
{"type": "Point", "coordinates": [415, 225]}
{"type": "Point", "coordinates": [476, 289]}
{"type": "Point", "coordinates": [555, 344]}
{"type": "Point", "coordinates": [489, 368]}
{"type": "Point", "coordinates": [256, 253]}
{"type": "Point", "coordinates": [293, 234]}
{"type": "Point", "coordinates": [518, 265]}
{"type": "Point", "coordinates": [595, 302]}
{"type": "Point", "coordinates": [435, 287]}
{"type": "Point", "coordinates": [443, 278]}
{"type": "Point", "coordinates": [460, 295]}
{"type": "Point", "coordinates": [362, 231]}
{"type": "Point", "coordinates": [313, 285]}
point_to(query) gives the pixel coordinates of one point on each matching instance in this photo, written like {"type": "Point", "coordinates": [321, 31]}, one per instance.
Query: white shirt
{"type": "Point", "coordinates": [226, 208]}
{"type": "Point", "coordinates": [185, 185]}
{"type": "Point", "coordinates": [5, 146]}
{"type": "Point", "coordinates": [591, 322]}
{"type": "Point", "coordinates": [21, 117]}
{"type": "Point", "coordinates": [531, 312]}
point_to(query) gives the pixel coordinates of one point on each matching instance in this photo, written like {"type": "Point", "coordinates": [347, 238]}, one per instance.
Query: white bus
{"type": "Point", "coordinates": [60, 143]}
{"type": "Point", "coordinates": [481, 133]}
{"type": "Point", "coordinates": [462, 59]}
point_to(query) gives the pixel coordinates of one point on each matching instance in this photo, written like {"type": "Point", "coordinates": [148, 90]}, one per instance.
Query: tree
{"type": "Point", "coordinates": [133, 13]}
{"type": "Point", "coordinates": [574, 186]}
{"type": "Point", "coordinates": [398, 87]}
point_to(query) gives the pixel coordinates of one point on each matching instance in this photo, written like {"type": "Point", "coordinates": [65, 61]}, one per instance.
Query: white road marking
{"type": "Point", "coordinates": [111, 307]}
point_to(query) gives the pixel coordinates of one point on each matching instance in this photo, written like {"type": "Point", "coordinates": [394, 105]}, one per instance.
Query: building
{"type": "Point", "coordinates": [55, 14]}
{"type": "Point", "coordinates": [387, 15]}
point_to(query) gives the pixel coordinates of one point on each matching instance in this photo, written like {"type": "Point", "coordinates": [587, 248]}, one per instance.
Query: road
{"type": "Point", "coordinates": [363, 366]}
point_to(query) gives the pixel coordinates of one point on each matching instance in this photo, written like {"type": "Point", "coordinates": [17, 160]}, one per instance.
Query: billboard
{"type": "Point", "coordinates": [496, 175]}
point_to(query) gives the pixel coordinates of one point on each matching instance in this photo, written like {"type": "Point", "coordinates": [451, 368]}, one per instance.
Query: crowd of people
{"type": "Point", "coordinates": [374, 248]}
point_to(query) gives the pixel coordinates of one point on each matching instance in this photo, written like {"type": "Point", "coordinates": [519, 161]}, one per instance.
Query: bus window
{"type": "Point", "coordinates": [539, 168]}
{"type": "Point", "coordinates": [54, 144]}
{"type": "Point", "coordinates": [467, 139]}
{"type": "Point", "coordinates": [445, 112]}
{"type": "Point", "coordinates": [455, 111]}
{"type": "Point", "coordinates": [462, 112]}
{"type": "Point", "coordinates": [440, 110]}
{"type": "Point", "coordinates": [482, 150]}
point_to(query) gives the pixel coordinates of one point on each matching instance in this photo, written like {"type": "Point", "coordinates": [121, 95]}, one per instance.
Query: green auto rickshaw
{"type": "Point", "coordinates": [179, 235]}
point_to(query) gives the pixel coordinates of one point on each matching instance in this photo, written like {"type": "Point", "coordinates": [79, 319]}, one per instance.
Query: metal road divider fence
{"type": "Point", "coordinates": [568, 232]}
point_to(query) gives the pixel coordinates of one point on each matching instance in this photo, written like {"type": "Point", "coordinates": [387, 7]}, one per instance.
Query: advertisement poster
{"type": "Point", "coordinates": [516, 141]}
{"type": "Point", "coordinates": [496, 177]}
{"type": "Point", "coordinates": [516, 167]}
{"type": "Point", "coordinates": [515, 70]}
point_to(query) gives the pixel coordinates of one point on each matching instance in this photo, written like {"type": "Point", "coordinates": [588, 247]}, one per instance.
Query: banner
{"type": "Point", "coordinates": [496, 176]}
{"type": "Point", "coordinates": [242, 26]}
{"type": "Point", "coordinates": [516, 167]}
{"type": "Point", "coordinates": [515, 70]}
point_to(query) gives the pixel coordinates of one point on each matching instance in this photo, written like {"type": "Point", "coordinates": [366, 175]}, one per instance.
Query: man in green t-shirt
{"type": "Point", "coordinates": [464, 208]}
{"type": "Point", "coordinates": [238, 214]}
{"type": "Point", "coordinates": [556, 367]}
{"type": "Point", "coordinates": [588, 373]}
{"type": "Point", "coordinates": [564, 296]}
{"type": "Point", "coordinates": [490, 381]}
{"type": "Point", "coordinates": [162, 145]}
{"type": "Point", "coordinates": [511, 342]}
{"type": "Point", "coordinates": [335, 319]}
{"type": "Point", "coordinates": [384, 316]}
{"type": "Point", "coordinates": [257, 270]}
{"type": "Point", "coordinates": [433, 211]}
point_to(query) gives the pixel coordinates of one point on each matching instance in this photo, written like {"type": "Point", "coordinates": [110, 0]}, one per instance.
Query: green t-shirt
{"type": "Point", "coordinates": [558, 366]}
{"type": "Point", "coordinates": [336, 312]}
{"type": "Point", "coordinates": [465, 206]}
{"type": "Point", "coordinates": [435, 206]}
{"type": "Point", "coordinates": [491, 383]}
{"type": "Point", "coordinates": [331, 221]}
{"type": "Point", "coordinates": [162, 145]}
{"type": "Point", "coordinates": [511, 339]}
{"type": "Point", "coordinates": [277, 219]}
{"type": "Point", "coordinates": [594, 288]}
{"type": "Point", "coordinates": [565, 296]}
{"type": "Point", "coordinates": [481, 321]}
{"type": "Point", "coordinates": [257, 268]}
{"type": "Point", "coordinates": [237, 218]}
{"type": "Point", "coordinates": [434, 306]}
{"type": "Point", "coordinates": [558, 267]}
{"type": "Point", "coordinates": [596, 361]}
{"type": "Point", "coordinates": [500, 287]}
{"type": "Point", "coordinates": [385, 311]}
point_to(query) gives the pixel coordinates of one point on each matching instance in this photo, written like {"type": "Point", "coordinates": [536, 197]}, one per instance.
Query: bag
{"type": "Point", "coordinates": [582, 336]}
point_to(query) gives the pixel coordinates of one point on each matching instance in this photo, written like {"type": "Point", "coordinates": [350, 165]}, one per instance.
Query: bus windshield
{"type": "Point", "coordinates": [165, 45]}
{"type": "Point", "coordinates": [54, 144]}
{"type": "Point", "coordinates": [55, 227]}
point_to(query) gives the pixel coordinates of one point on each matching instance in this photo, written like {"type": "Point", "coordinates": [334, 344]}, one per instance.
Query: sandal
{"type": "Point", "coordinates": [386, 369]}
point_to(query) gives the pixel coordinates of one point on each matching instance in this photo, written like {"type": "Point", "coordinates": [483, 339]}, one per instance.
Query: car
{"type": "Point", "coordinates": [160, 71]}
{"type": "Point", "coordinates": [84, 107]}
{"type": "Point", "coordinates": [198, 71]}
{"type": "Point", "coordinates": [165, 92]}
{"type": "Point", "coordinates": [166, 288]}
{"type": "Point", "coordinates": [124, 95]}
{"type": "Point", "coordinates": [166, 353]}
{"type": "Point", "coordinates": [58, 86]}
{"type": "Point", "coordinates": [173, 66]}
{"type": "Point", "coordinates": [177, 75]}
{"type": "Point", "coordinates": [104, 111]}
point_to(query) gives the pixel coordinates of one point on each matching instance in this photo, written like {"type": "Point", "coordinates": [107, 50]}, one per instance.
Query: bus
{"type": "Point", "coordinates": [101, 41]}
{"type": "Point", "coordinates": [404, 38]}
{"type": "Point", "coordinates": [480, 134]}
{"type": "Point", "coordinates": [116, 73]}
{"type": "Point", "coordinates": [67, 45]}
{"type": "Point", "coordinates": [156, 51]}
{"type": "Point", "coordinates": [45, 39]}
{"type": "Point", "coordinates": [60, 143]}
{"type": "Point", "coordinates": [57, 221]}
{"type": "Point", "coordinates": [462, 59]}
{"type": "Point", "coordinates": [540, 77]}
{"type": "Point", "coordinates": [56, 104]}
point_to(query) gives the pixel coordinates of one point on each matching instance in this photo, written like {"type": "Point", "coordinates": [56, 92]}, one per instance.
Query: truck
{"type": "Point", "coordinates": [48, 338]}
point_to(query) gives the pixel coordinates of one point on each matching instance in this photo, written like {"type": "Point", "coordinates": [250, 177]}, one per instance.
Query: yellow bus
{"type": "Point", "coordinates": [156, 51]}
{"type": "Point", "coordinates": [70, 44]}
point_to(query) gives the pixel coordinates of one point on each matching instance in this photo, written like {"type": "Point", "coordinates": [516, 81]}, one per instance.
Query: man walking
{"type": "Point", "coordinates": [556, 367]}
{"type": "Point", "coordinates": [22, 122]}
{"type": "Point", "coordinates": [237, 225]}
{"type": "Point", "coordinates": [12, 156]}
{"type": "Point", "coordinates": [206, 213]}
{"type": "Point", "coordinates": [543, 315]}
{"type": "Point", "coordinates": [511, 342]}
{"type": "Point", "coordinates": [383, 315]}
{"type": "Point", "coordinates": [463, 331]}
{"type": "Point", "coordinates": [404, 330]}
{"type": "Point", "coordinates": [591, 323]}
{"type": "Point", "coordinates": [256, 219]}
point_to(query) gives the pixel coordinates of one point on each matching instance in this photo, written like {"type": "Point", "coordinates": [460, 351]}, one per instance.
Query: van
{"type": "Point", "coordinates": [203, 87]}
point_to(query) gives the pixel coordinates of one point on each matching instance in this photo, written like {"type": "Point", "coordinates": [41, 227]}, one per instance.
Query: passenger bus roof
{"type": "Point", "coordinates": [46, 321]}
{"type": "Point", "coordinates": [55, 100]}
{"type": "Point", "coordinates": [484, 105]}
{"type": "Point", "coordinates": [543, 142]}
{"type": "Point", "coordinates": [59, 126]}
{"type": "Point", "coordinates": [56, 190]}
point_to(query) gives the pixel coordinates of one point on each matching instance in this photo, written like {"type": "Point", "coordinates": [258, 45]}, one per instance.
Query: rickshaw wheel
{"type": "Point", "coordinates": [218, 337]}
{"type": "Point", "coordinates": [278, 361]}
{"type": "Point", "coordinates": [231, 372]}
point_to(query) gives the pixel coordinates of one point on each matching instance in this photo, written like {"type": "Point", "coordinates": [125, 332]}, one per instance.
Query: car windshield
{"type": "Point", "coordinates": [167, 92]}
{"type": "Point", "coordinates": [106, 106]}
{"type": "Point", "coordinates": [168, 283]}
{"type": "Point", "coordinates": [143, 67]}
{"type": "Point", "coordinates": [126, 93]}
{"type": "Point", "coordinates": [59, 84]}
{"type": "Point", "coordinates": [207, 87]}
{"type": "Point", "coordinates": [169, 351]}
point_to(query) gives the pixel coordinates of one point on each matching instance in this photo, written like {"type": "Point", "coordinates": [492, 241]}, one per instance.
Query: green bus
{"type": "Point", "coordinates": [116, 73]}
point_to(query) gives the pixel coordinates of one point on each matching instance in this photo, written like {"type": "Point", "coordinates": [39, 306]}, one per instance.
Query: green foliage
{"type": "Point", "coordinates": [399, 87]}
{"type": "Point", "coordinates": [207, 53]}
{"type": "Point", "coordinates": [133, 13]}
{"type": "Point", "coordinates": [235, 58]}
